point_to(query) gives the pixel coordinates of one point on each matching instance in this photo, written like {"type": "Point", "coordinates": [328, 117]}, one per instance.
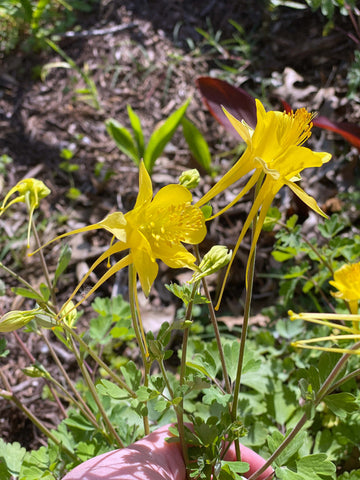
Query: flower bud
{"type": "Point", "coordinates": [190, 178]}
{"type": "Point", "coordinates": [17, 319]}
{"type": "Point", "coordinates": [69, 314]}
{"type": "Point", "coordinates": [216, 258]}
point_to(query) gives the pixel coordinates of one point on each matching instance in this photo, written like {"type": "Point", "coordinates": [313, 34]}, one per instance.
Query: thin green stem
{"type": "Point", "coordinates": [325, 389]}
{"type": "Point", "coordinates": [19, 279]}
{"type": "Point", "coordinates": [32, 360]}
{"type": "Point", "coordinates": [36, 421]}
{"type": "Point", "coordinates": [43, 264]}
{"type": "Point", "coordinates": [215, 327]}
{"type": "Point", "coordinates": [98, 360]}
{"type": "Point", "coordinates": [113, 434]}
{"type": "Point", "coordinates": [139, 333]}
{"type": "Point", "coordinates": [80, 401]}
{"type": "Point", "coordinates": [247, 308]}
{"type": "Point", "coordinates": [180, 409]}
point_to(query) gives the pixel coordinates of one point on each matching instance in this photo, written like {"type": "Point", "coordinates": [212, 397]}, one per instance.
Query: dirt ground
{"type": "Point", "coordinates": [148, 54]}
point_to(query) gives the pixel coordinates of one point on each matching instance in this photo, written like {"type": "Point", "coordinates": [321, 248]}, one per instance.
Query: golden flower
{"type": "Point", "coordinates": [30, 191]}
{"type": "Point", "coordinates": [347, 282]}
{"type": "Point", "coordinates": [276, 155]}
{"type": "Point", "coordinates": [154, 229]}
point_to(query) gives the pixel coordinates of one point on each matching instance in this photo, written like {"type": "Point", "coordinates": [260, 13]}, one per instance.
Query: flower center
{"type": "Point", "coordinates": [351, 277]}
{"type": "Point", "coordinates": [171, 224]}
{"type": "Point", "coordinates": [296, 127]}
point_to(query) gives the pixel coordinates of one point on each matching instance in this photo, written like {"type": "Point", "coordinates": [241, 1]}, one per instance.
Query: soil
{"type": "Point", "coordinates": [148, 54]}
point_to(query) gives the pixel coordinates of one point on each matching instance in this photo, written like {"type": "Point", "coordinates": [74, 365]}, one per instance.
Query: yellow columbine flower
{"type": "Point", "coordinates": [154, 229]}
{"type": "Point", "coordinates": [347, 282]}
{"type": "Point", "coordinates": [30, 191]}
{"type": "Point", "coordinates": [275, 153]}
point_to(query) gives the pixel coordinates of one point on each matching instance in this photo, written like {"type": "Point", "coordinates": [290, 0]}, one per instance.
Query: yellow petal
{"type": "Point", "coordinates": [242, 129]}
{"type": "Point", "coordinates": [254, 178]}
{"type": "Point", "coordinates": [115, 223]}
{"type": "Point", "coordinates": [145, 187]}
{"type": "Point", "coordinates": [116, 248]}
{"type": "Point", "coordinates": [171, 195]}
{"type": "Point", "coordinates": [146, 268]}
{"type": "Point", "coordinates": [241, 168]}
{"type": "Point", "coordinates": [310, 201]}
{"type": "Point", "coordinates": [177, 256]}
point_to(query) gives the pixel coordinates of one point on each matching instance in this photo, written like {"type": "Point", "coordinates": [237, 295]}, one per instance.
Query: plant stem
{"type": "Point", "coordinates": [247, 307]}
{"type": "Point", "coordinates": [180, 409]}
{"type": "Point", "coordinates": [97, 400]}
{"type": "Point", "coordinates": [215, 327]}
{"type": "Point", "coordinates": [43, 264]}
{"type": "Point", "coordinates": [79, 402]}
{"type": "Point", "coordinates": [139, 333]}
{"type": "Point", "coordinates": [36, 421]}
{"type": "Point", "coordinates": [326, 387]}
{"type": "Point", "coordinates": [33, 360]}
{"type": "Point", "coordinates": [98, 360]}
{"type": "Point", "coordinates": [19, 278]}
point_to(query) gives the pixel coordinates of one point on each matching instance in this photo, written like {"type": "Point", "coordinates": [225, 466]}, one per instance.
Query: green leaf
{"type": "Point", "coordinates": [312, 467]}
{"type": "Point", "coordinates": [28, 9]}
{"type": "Point", "coordinates": [123, 139]}
{"type": "Point", "coordinates": [36, 466]}
{"type": "Point", "coordinates": [281, 254]}
{"type": "Point", "coordinates": [197, 144]}
{"type": "Point", "coordinates": [272, 217]}
{"type": "Point", "coordinates": [332, 226]}
{"type": "Point", "coordinates": [45, 292]}
{"type": "Point", "coordinates": [63, 262]}
{"type": "Point", "coordinates": [110, 389]}
{"type": "Point", "coordinates": [341, 404]}
{"type": "Point", "coordinates": [161, 136]}
{"type": "Point", "coordinates": [275, 440]}
{"type": "Point", "coordinates": [24, 292]}
{"type": "Point", "coordinates": [236, 467]}
{"type": "Point", "coordinates": [78, 422]}
{"type": "Point", "coordinates": [99, 329]}
{"type": "Point", "coordinates": [132, 375]}
{"type": "Point", "coordinates": [315, 466]}
{"type": "Point", "coordinates": [12, 454]}
{"type": "Point", "coordinates": [3, 351]}
{"type": "Point", "coordinates": [138, 133]}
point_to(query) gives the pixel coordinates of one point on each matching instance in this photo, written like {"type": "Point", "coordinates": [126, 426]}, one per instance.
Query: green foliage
{"type": "Point", "coordinates": [11, 457]}
{"type": "Point", "coordinates": [132, 142]}
{"type": "Point", "coordinates": [307, 265]}
{"type": "Point", "coordinates": [353, 77]}
{"type": "Point", "coordinates": [29, 23]}
{"type": "Point", "coordinates": [87, 94]}
{"type": "Point", "coordinates": [198, 145]}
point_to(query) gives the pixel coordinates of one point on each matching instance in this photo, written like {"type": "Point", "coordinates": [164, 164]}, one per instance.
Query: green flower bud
{"type": "Point", "coordinates": [216, 258]}
{"type": "Point", "coordinates": [69, 314]}
{"type": "Point", "coordinates": [190, 178]}
{"type": "Point", "coordinates": [17, 319]}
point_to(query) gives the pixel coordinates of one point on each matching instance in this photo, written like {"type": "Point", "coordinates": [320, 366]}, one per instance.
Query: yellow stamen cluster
{"type": "Point", "coordinates": [299, 129]}
{"type": "Point", "coordinates": [171, 223]}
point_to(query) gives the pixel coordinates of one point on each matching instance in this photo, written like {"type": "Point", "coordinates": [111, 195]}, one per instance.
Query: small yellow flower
{"type": "Point", "coordinates": [30, 191]}
{"type": "Point", "coordinates": [154, 229]}
{"type": "Point", "coordinates": [276, 155]}
{"type": "Point", "coordinates": [347, 282]}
